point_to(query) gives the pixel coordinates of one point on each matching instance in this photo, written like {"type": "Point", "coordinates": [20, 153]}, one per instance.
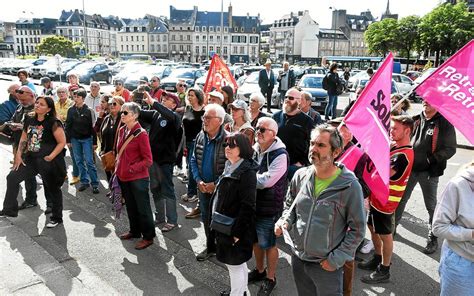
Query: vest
{"type": "Point", "coordinates": [396, 187]}
{"type": "Point", "coordinates": [219, 153]}
{"type": "Point", "coordinates": [269, 202]}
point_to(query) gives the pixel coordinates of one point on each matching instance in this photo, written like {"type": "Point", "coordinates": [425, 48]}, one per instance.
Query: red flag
{"type": "Point", "coordinates": [218, 76]}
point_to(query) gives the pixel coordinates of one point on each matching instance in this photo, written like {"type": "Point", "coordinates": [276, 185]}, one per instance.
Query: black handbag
{"type": "Point", "coordinates": [222, 223]}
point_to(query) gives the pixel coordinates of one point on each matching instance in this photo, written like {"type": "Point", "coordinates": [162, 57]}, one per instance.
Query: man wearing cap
{"type": "Point", "coordinates": [241, 120]}
{"type": "Point", "coordinates": [93, 98]}
{"type": "Point", "coordinates": [266, 81]}
{"type": "Point", "coordinates": [121, 91]}
{"type": "Point", "coordinates": [48, 89]}
{"type": "Point", "coordinates": [22, 75]}
{"type": "Point", "coordinates": [216, 97]}
{"type": "Point", "coordinates": [294, 129]}
{"type": "Point", "coordinates": [165, 137]}
{"type": "Point", "coordinates": [305, 107]}
{"type": "Point", "coordinates": [272, 157]}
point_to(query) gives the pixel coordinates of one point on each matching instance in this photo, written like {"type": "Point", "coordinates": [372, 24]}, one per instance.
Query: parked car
{"type": "Point", "coordinates": [188, 75]}
{"type": "Point", "coordinates": [17, 65]}
{"type": "Point", "coordinates": [315, 70]}
{"type": "Point", "coordinates": [49, 66]}
{"type": "Point", "coordinates": [354, 80]}
{"type": "Point", "coordinates": [65, 68]}
{"type": "Point", "coordinates": [404, 83]}
{"type": "Point", "coordinates": [413, 74]}
{"type": "Point", "coordinates": [149, 71]}
{"type": "Point", "coordinates": [414, 96]}
{"type": "Point", "coordinates": [129, 69]}
{"type": "Point", "coordinates": [250, 86]}
{"type": "Point", "coordinates": [313, 83]}
{"type": "Point", "coordinates": [90, 71]}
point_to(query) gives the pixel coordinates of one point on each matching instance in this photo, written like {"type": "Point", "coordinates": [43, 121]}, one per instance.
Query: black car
{"type": "Point", "coordinates": [313, 83]}
{"type": "Point", "coordinates": [90, 71]}
{"type": "Point", "coordinates": [189, 75]}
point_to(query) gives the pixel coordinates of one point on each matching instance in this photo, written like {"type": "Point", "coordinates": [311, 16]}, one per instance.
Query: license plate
{"type": "Point", "coordinates": [317, 103]}
{"type": "Point", "coordinates": [169, 88]}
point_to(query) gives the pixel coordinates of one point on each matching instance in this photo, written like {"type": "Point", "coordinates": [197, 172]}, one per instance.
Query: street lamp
{"type": "Point", "coordinates": [334, 9]}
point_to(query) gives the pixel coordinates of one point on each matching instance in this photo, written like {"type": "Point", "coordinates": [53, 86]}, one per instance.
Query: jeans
{"type": "Point", "coordinates": [429, 187]}
{"type": "Point", "coordinates": [456, 273]}
{"type": "Point", "coordinates": [192, 186]}
{"type": "Point", "coordinates": [84, 156]}
{"type": "Point", "coordinates": [312, 279]}
{"type": "Point", "coordinates": [30, 188]}
{"type": "Point", "coordinates": [138, 205]}
{"type": "Point", "coordinates": [163, 192]}
{"type": "Point", "coordinates": [331, 107]}
{"type": "Point", "coordinates": [75, 168]}
{"type": "Point", "coordinates": [204, 206]}
{"type": "Point", "coordinates": [52, 185]}
{"type": "Point", "coordinates": [238, 279]}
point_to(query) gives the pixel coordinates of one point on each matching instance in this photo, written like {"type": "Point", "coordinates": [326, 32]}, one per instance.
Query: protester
{"type": "Point", "coordinates": [108, 131]}
{"type": "Point", "coordinates": [216, 97]}
{"type": "Point", "coordinates": [133, 161]}
{"type": "Point", "coordinates": [271, 155]}
{"type": "Point", "coordinates": [402, 107]}
{"type": "Point", "coordinates": [93, 98]}
{"type": "Point", "coordinates": [192, 125]}
{"type": "Point", "coordinates": [181, 92]}
{"type": "Point", "coordinates": [453, 221]}
{"type": "Point", "coordinates": [81, 137]}
{"type": "Point", "coordinates": [207, 164]}
{"type": "Point", "coordinates": [103, 111]}
{"type": "Point", "coordinates": [306, 108]}
{"type": "Point", "coordinates": [286, 80]}
{"type": "Point", "coordinates": [48, 89]}
{"type": "Point", "coordinates": [256, 102]}
{"type": "Point", "coordinates": [327, 217]}
{"type": "Point", "coordinates": [294, 129]}
{"type": "Point", "coordinates": [234, 197]}
{"type": "Point", "coordinates": [332, 84]}
{"type": "Point", "coordinates": [434, 142]}
{"type": "Point", "coordinates": [74, 85]}
{"type": "Point", "coordinates": [22, 75]}
{"type": "Point", "coordinates": [155, 90]}
{"type": "Point", "coordinates": [240, 120]}
{"type": "Point", "coordinates": [165, 138]}
{"type": "Point", "coordinates": [8, 107]}
{"type": "Point", "coordinates": [121, 91]}
{"type": "Point", "coordinates": [266, 82]}
{"type": "Point", "coordinates": [381, 214]}
{"type": "Point", "coordinates": [228, 94]}
{"type": "Point", "coordinates": [40, 152]}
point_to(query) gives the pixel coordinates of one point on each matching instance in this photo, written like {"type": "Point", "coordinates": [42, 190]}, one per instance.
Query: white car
{"type": "Point", "coordinates": [404, 83]}
{"type": "Point", "coordinates": [250, 86]}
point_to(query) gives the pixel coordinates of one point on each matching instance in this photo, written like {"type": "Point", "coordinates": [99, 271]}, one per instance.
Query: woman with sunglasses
{"type": "Point", "coordinates": [133, 161]}
{"type": "Point", "coordinates": [241, 120]}
{"type": "Point", "coordinates": [108, 129]}
{"type": "Point", "coordinates": [41, 151]}
{"type": "Point", "coordinates": [234, 197]}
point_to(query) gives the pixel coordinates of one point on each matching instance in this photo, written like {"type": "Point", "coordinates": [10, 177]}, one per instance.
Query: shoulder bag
{"type": "Point", "coordinates": [108, 158]}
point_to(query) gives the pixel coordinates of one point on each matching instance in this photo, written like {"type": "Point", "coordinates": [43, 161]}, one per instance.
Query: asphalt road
{"type": "Point", "coordinates": [84, 255]}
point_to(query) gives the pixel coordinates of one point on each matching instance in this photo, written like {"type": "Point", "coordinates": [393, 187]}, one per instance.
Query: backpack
{"type": "Point", "coordinates": [326, 82]}
{"type": "Point", "coordinates": [339, 88]}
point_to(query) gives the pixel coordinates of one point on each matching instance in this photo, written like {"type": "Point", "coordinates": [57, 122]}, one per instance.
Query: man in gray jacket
{"type": "Point", "coordinates": [328, 216]}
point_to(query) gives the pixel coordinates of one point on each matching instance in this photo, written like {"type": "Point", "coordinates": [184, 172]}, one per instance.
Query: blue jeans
{"type": "Point", "coordinates": [312, 279]}
{"type": "Point", "coordinates": [331, 107]}
{"type": "Point", "coordinates": [456, 273]}
{"type": "Point", "coordinates": [164, 196]}
{"type": "Point", "coordinates": [84, 156]}
{"type": "Point", "coordinates": [204, 204]}
{"type": "Point", "coordinates": [75, 168]}
{"type": "Point", "coordinates": [192, 186]}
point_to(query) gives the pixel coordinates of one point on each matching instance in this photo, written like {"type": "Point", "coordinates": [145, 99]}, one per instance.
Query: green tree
{"type": "Point", "coordinates": [446, 29]}
{"type": "Point", "coordinates": [58, 45]}
{"type": "Point", "coordinates": [408, 35]}
{"type": "Point", "coordinates": [382, 36]}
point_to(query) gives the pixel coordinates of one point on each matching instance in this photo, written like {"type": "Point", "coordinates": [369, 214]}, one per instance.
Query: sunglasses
{"type": "Point", "coordinates": [261, 130]}
{"type": "Point", "coordinates": [182, 85]}
{"type": "Point", "coordinates": [290, 98]}
{"type": "Point", "coordinates": [125, 113]}
{"type": "Point", "coordinates": [154, 80]}
{"type": "Point", "coordinates": [115, 104]}
{"type": "Point", "coordinates": [20, 91]}
{"type": "Point", "coordinates": [230, 145]}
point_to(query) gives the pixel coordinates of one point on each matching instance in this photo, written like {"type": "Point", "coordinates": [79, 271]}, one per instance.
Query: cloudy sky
{"type": "Point", "coordinates": [319, 9]}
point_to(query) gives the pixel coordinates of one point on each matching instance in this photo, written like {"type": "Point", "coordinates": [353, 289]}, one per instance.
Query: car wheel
{"type": "Point", "coordinates": [109, 79]}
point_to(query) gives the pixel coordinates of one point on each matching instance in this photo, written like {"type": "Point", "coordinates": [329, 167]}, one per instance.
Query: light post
{"type": "Point", "coordinates": [334, 9]}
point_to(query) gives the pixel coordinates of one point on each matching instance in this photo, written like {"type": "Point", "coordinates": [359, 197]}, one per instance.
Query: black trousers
{"type": "Point", "coordinates": [268, 94]}
{"type": "Point", "coordinates": [53, 179]}
{"type": "Point", "coordinates": [137, 200]}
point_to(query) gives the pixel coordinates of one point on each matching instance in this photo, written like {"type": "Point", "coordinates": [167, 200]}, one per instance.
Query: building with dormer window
{"type": "Point", "coordinates": [28, 34]}
{"type": "Point", "coordinates": [354, 27]}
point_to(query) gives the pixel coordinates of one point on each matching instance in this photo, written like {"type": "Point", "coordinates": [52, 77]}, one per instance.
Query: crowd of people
{"type": "Point", "coordinates": [254, 175]}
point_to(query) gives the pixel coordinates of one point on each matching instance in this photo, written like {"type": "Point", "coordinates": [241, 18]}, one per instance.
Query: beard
{"type": "Point", "coordinates": [289, 107]}
{"type": "Point", "coordinates": [318, 160]}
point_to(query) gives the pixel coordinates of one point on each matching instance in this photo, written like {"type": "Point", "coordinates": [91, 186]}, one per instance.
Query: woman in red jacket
{"type": "Point", "coordinates": [133, 160]}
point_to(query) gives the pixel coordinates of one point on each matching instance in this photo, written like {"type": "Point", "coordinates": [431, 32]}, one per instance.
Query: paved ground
{"type": "Point", "coordinates": [84, 255]}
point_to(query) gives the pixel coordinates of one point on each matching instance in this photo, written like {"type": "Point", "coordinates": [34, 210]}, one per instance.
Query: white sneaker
{"type": "Point", "coordinates": [52, 223]}
{"type": "Point", "coordinates": [176, 171]}
{"type": "Point", "coordinates": [193, 198]}
{"type": "Point", "coordinates": [185, 197]}
{"type": "Point", "coordinates": [368, 247]}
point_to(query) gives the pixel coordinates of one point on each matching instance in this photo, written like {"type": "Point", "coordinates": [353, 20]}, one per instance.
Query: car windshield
{"type": "Point", "coordinates": [84, 67]}
{"type": "Point", "coordinates": [311, 82]}
{"type": "Point", "coordinates": [182, 73]}
{"type": "Point", "coordinates": [253, 78]}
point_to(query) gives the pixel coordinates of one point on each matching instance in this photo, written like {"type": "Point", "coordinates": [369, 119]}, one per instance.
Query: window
{"type": "Point", "coordinates": [173, 47]}
{"type": "Point", "coordinates": [211, 29]}
{"type": "Point", "coordinates": [226, 38]}
{"type": "Point", "coordinates": [131, 38]}
{"type": "Point", "coordinates": [188, 48]}
{"type": "Point", "coordinates": [181, 37]}
{"type": "Point", "coordinates": [218, 29]}
{"type": "Point", "coordinates": [211, 48]}
{"type": "Point", "coordinates": [218, 38]}
{"type": "Point", "coordinates": [121, 38]}
{"type": "Point", "coordinates": [197, 38]}
{"type": "Point", "coordinates": [235, 39]}
{"type": "Point", "coordinates": [127, 47]}
{"type": "Point", "coordinates": [152, 48]}
{"type": "Point", "coordinates": [225, 29]}
{"type": "Point", "coordinates": [152, 38]}
{"type": "Point", "coordinates": [181, 48]}
{"type": "Point", "coordinates": [143, 47]}
{"type": "Point", "coordinates": [158, 37]}
{"type": "Point", "coordinates": [164, 38]}
{"type": "Point", "coordinates": [204, 38]}
{"type": "Point", "coordinates": [204, 50]}
{"type": "Point", "coordinates": [242, 50]}
{"type": "Point", "coordinates": [196, 29]}
{"type": "Point", "coordinates": [203, 29]}
{"type": "Point", "coordinates": [197, 50]}
{"type": "Point", "coordinates": [236, 29]}
{"type": "Point", "coordinates": [225, 49]}
{"type": "Point", "coordinates": [242, 29]}
{"type": "Point", "coordinates": [132, 47]}
{"type": "Point", "coordinates": [173, 38]}
{"type": "Point", "coordinates": [234, 49]}
{"type": "Point", "coordinates": [211, 38]}
{"type": "Point", "coordinates": [158, 48]}
{"type": "Point", "coordinates": [218, 49]}
{"type": "Point", "coordinates": [188, 37]}
{"type": "Point", "coordinates": [165, 48]}
{"type": "Point", "coordinates": [143, 38]}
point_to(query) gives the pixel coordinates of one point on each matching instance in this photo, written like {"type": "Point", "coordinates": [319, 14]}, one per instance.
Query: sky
{"type": "Point", "coordinates": [318, 9]}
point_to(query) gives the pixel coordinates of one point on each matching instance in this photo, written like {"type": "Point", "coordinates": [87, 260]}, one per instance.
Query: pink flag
{"type": "Point", "coordinates": [450, 89]}
{"type": "Point", "coordinates": [369, 121]}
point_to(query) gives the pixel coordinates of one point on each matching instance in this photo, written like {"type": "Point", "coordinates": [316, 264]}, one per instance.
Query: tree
{"type": "Point", "coordinates": [446, 29]}
{"type": "Point", "coordinates": [382, 36]}
{"type": "Point", "coordinates": [58, 45]}
{"type": "Point", "coordinates": [408, 35]}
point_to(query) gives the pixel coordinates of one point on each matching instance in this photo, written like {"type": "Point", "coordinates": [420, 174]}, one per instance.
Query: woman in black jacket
{"type": "Point", "coordinates": [234, 197]}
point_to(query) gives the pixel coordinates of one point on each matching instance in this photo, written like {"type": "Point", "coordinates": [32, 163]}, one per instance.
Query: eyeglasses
{"type": "Point", "coordinates": [125, 113]}
{"type": "Point", "coordinates": [61, 92]}
{"type": "Point", "coordinates": [118, 84]}
{"type": "Point", "coordinates": [154, 80]}
{"type": "Point", "coordinates": [230, 145]}
{"type": "Point", "coordinates": [182, 85]}
{"type": "Point", "coordinates": [262, 130]}
{"type": "Point", "coordinates": [290, 98]}
{"type": "Point", "coordinates": [20, 91]}
{"type": "Point", "coordinates": [203, 118]}
{"type": "Point", "coordinates": [115, 104]}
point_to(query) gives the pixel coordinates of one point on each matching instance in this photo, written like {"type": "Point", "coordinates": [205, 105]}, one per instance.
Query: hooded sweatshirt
{"type": "Point", "coordinates": [454, 215]}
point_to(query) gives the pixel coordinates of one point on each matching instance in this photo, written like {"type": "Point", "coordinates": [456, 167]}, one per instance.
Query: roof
{"type": "Point", "coordinates": [182, 17]}
{"type": "Point", "coordinates": [211, 18]}
{"type": "Point", "coordinates": [330, 32]}
{"type": "Point", "coordinates": [158, 27]}
{"type": "Point", "coordinates": [46, 25]}
{"type": "Point", "coordinates": [246, 22]}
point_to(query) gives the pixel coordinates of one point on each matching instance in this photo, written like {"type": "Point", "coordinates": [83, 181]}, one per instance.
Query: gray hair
{"type": "Point", "coordinates": [94, 83]}
{"type": "Point", "coordinates": [218, 109]}
{"type": "Point", "coordinates": [132, 107]}
{"type": "Point", "coordinates": [335, 138]}
{"type": "Point", "coordinates": [270, 122]}
{"type": "Point", "coordinates": [62, 88]}
{"type": "Point", "coordinates": [306, 95]}
{"type": "Point", "coordinates": [259, 97]}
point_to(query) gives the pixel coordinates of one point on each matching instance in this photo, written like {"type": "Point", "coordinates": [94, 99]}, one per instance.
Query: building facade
{"type": "Point", "coordinates": [28, 33]}
{"type": "Point", "coordinates": [333, 43]}
{"type": "Point", "coordinates": [354, 27]}
{"type": "Point", "coordinates": [7, 42]}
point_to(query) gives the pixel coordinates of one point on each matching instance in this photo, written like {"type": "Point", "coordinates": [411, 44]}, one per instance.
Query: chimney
{"type": "Point", "coordinates": [230, 15]}
{"type": "Point", "coordinates": [248, 15]}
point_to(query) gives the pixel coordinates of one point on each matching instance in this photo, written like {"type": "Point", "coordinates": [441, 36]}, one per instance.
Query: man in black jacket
{"type": "Point", "coordinates": [266, 81]}
{"type": "Point", "coordinates": [434, 142]}
{"type": "Point", "coordinates": [164, 140]}
{"type": "Point", "coordinates": [330, 83]}
{"type": "Point", "coordinates": [81, 136]}
{"type": "Point", "coordinates": [286, 80]}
